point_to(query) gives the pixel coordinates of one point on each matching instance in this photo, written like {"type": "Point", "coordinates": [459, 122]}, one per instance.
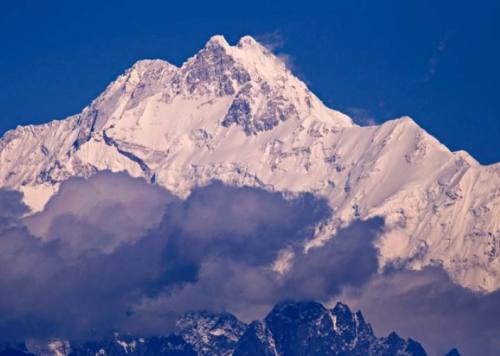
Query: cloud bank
{"type": "Point", "coordinates": [115, 253]}
{"type": "Point", "coordinates": [431, 308]}
{"type": "Point", "coordinates": [106, 250]}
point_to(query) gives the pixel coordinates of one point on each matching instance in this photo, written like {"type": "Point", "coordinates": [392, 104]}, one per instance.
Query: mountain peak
{"type": "Point", "coordinates": [249, 42]}
{"type": "Point", "coordinates": [217, 40]}
{"type": "Point", "coordinates": [341, 308]}
{"type": "Point", "coordinates": [245, 42]}
{"type": "Point", "coordinates": [235, 113]}
{"type": "Point", "coordinates": [145, 64]}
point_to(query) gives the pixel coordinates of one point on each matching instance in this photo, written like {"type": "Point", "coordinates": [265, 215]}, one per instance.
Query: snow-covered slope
{"type": "Point", "coordinates": [237, 114]}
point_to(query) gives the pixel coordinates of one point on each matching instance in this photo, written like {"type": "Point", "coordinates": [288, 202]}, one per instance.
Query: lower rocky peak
{"type": "Point", "coordinates": [290, 329]}
{"type": "Point", "coordinates": [209, 333]}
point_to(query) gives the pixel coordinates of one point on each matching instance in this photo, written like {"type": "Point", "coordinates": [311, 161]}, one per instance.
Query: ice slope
{"type": "Point", "coordinates": [237, 114]}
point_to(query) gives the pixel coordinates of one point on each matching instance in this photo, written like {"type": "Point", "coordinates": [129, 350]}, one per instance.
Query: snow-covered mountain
{"type": "Point", "coordinates": [237, 114]}
{"type": "Point", "coordinates": [291, 328]}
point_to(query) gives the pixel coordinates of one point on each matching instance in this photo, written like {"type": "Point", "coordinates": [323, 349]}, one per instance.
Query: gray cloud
{"type": "Point", "coordinates": [238, 281]}
{"type": "Point", "coordinates": [10, 205]}
{"type": "Point", "coordinates": [348, 259]}
{"type": "Point", "coordinates": [115, 253]}
{"type": "Point", "coordinates": [429, 307]}
{"type": "Point", "coordinates": [100, 213]}
{"type": "Point", "coordinates": [104, 246]}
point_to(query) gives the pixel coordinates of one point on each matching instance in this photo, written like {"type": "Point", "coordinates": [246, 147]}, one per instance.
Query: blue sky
{"type": "Point", "coordinates": [376, 60]}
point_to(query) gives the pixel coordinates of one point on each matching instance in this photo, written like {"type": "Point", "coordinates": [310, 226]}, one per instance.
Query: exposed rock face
{"type": "Point", "coordinates": [308, 328]}
{"type": "Point", "coordinates": [236, 114]}
{"type": "Point", "coordinates": [211, 334]}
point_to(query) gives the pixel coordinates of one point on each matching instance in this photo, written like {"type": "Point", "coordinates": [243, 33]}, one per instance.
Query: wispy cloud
{"type": "Point", "coordinates": [434, 60]}
{"type": "Point", "coordinates": [274, 41]}
{"type": "Point", "coordinates": [361, 116]}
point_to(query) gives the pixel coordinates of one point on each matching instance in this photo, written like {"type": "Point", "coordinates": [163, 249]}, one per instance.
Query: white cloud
{"type": "Point", "coordinates": [361, 116]}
